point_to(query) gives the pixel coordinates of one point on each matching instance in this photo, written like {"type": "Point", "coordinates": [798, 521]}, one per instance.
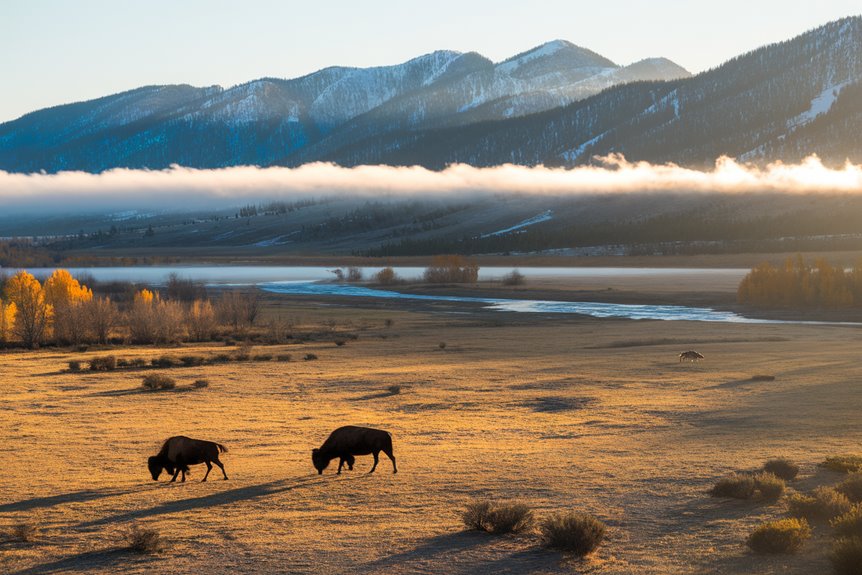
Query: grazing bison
{"type": "Point", "coordinates": [345, 442]}
{"type": "Point", "coordinates": [689, 355]}
{"type": "Point", "coordinates": [179, 452]}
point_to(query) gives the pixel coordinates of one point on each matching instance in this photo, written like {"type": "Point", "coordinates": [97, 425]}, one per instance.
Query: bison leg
{"type": "Point", "coordinates": [209, 468]}
{"type": "Point", "coordinates": [373, 467]}
{"type": "Point", "coordinates": [340, 464]}
{"type": "Point", "coordinates": [350, 461]}
{"type": "Point", "coordinates": [174, 478]}
{"type": "Point", "coordinates": [391, 456]}
{"type": "Point", "coordinates": [217, 462]}
{"type": "Point", "coordinates": [184, 475]}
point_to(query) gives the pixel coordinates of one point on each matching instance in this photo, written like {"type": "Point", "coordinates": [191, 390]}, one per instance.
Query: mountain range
{"type": "Point", "coordinates": [557, 104]}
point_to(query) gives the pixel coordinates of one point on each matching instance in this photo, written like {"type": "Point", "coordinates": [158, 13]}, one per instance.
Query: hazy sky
{"type": "Point", "coordinates": [59, 51]}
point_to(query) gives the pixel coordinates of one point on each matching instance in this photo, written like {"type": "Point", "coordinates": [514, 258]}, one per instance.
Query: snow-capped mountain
{"type": "Point", "coordinates": [270, 119]}
{"type": "Point", "coordinates": [780, 102]}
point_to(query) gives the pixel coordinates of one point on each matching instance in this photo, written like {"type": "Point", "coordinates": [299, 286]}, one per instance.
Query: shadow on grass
{"type": "Point", "coordinates": [380, 395]}
{"type": "Point", "coordinates": [140, 391]}
{"type": "Point", "coordinates": [465, 552]}
{"type": "Point", "coordinates": [86, 562]}
{"type": "Point", "coordinates": [52, 500]}
{"type": "Point", "coordinates": [227, 497]}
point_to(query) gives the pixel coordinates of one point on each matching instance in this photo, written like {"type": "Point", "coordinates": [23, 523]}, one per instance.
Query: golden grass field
{"type": "Point", "coordinates": [562, 413]}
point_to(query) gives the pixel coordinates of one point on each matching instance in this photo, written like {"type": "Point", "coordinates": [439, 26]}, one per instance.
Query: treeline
{"type": "Point", "coordinates": [798, 284]}
{"type": "Point", "coordinates": [62, 310]}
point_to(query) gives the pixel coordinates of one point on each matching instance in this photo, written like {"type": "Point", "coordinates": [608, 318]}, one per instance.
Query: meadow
{"type": "Point", "coordinates": [559, 413]}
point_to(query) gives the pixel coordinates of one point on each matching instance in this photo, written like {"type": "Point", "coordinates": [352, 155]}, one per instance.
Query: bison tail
{"type": "Point", "coordinates": [221, 448]}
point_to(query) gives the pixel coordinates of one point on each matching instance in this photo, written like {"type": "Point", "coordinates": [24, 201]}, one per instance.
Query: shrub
{"type": "Point", "coordinates": [442, 345]}
{"type": "Point", "coordinates": [106, 363]}
{"type": "Point", "coordinates": [309, 357]}
{"type": "Point", "coordinates": [221, 358]}
{"type": "Point", "coordinates": [394, 389]}
{"type": "Point", "coordinates": [498, 518]}
{"type": "Point", "coordinates": [165, 361]}
{"type": "Point", "coordinates": [782, 467]}
{"type": "Point", "coordinates": [244, 352]}
{"type": "Point", "coordinates": [770, 486]}
{"type": "Point", "coordinates": [23, 532]}
{"type": "Point", "coordinates": [451, 269]}
{"type": "Point", "coordinates": [263, 357]}
{"type": "Point", "coordinates": [782, 536]}
{"type": "Point", "coordinates": [159, 381]}
{"type": "Point", "coordinates": [576, 533]}
{"type": "Point", "coordinates": [843, 463]}
{"type": "Point", "coordinates": [354, 274]}
{"type": "Point", "coordinates": [138, 362]}
{"type": "Point", "coordinates": [386, 276]}
{"type": "Point", "coordinates": [192, 360]}
{"type": "Point", "coordinates": [762, 378]}
{"type": "Point", "coordinates": [852, 487]}
{"type": "Point", "coordinates": [201, 383]}
{"type": "Point", "coordinates": [142, 540]}
{"type": "Point", "coordinates": [846, 556]}
{"type": "Point", "coordinates": [823, 504]}
{"type": "Point", "coordinates": [283, 357]}
{"type": "Point", "coordinates": [389, 322]}
{"type": "Point", "coordinates": [850, 523]}
{"type": "Point", "coordinates": [74, 365]}
{"type": "Point", "coordinates": [514, 278]}
{"type": "Point", "coordinates": [340, 342]}
{"type": "Point", "coordinates": [737, 486]}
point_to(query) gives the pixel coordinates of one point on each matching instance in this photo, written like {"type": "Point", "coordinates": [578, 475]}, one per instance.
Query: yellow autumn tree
{"type": "Point", "coordinates": [67, 297]}
{"type": "Point", "coordinates": [201, 320]}
{"type": "Point", "coordinates": [7, 320]}
{"type": "Point", "coordinates": [142, 324]}
{"type": "Point", "coordinates": [32, 311]}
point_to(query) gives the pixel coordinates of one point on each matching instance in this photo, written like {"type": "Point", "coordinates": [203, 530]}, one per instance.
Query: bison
{"type": "Point", "coordinates": [345, 442]}
{"type": "Point", "coordinates": [179, 452]}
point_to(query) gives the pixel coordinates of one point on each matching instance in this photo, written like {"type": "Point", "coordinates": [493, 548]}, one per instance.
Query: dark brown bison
{"type": "Point", "coordinates": [179, 452]}
{"type": "Point", "coordinates": [347, 441]}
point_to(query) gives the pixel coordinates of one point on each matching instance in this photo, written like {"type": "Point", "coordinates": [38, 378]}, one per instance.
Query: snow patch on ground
{"type": "Point", "coordinates": [821, 104]}
{"type": "Point", "coordinates": [543, 217]}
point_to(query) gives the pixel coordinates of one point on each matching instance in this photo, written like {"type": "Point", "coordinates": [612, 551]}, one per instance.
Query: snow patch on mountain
{"type": "Point", "coordinates": [538, 219]}
{"type": "Point", "coordinates": [821, 104]}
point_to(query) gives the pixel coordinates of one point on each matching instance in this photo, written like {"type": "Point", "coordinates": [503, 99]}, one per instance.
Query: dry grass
{"type": "Point", "coordinates": [782, 467]}
{"type": "Point", "coordinates": [852, 487]}
{"type": "Point", "coordinates": [158, 381]}
{"type": "Point", "coordinates": [823, 504]}
{"type": "Point", "coordinates": [782, 536]}
{"type": "Point", "coordinates": [23, 532]}
{"type": "Point", "coordinates": [576, 533]}
{"type": "Point", "coordinates": [846, 556]}
{"type": "Point", "coordinates": [143, 540]}
{"type": "Point", "coordinates": [736, 486]}
{"type": "Point", "coordinates": [843, 463]}
{"type": "Point", "coordinates": [850, 523]}
{"type": "Point", "coordinates": [497, 518]}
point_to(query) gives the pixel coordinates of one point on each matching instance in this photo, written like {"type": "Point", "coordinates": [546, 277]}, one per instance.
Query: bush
{"type": "Point", "coordinates": [143, 540]}
{"type": "Point", "coordinates": [74, 365]}
{"type": "Point", "coordinates": [386, 276]}
{"type": "Point", "coordinates": [138, 362]}
{"type": "Point", "coordinates": [769, 486]}
{"type": "Point", "coordinates": [106, 363]}
{"type": "Point", "coordinates": [192, 360]}
{"type": "Point", "coordinates": [498, 518]}
{"type": "Point", "coordinates": [165, 361]}
{"type": "Point", "coordinates": [451, 269]}
{"type": "Point", "coordinates": [263, 357]}
{"type": "Point", "coordinates": [201, 383]}
{"type": "Point", "coordinates": [576, 533]}
{"type": "Point", "coordinates": [442, 345]}
{"type": "Point", "coordinates": [762, 378]}
{"type": "Point", "coordinates": [852, 487]}
{"type": "Point", "coordinates": [850, 523]}
{"type": "Point", "coordinates": [782, 467]}
{"type": "Point", "coordinates": [846, 556]}
{"type": "Point", "coordinates": [340, 342]}
{"type": "Point", "coordinates": [309, 357]}
{"type": "Point", "coordinates": [159, 381]}
{"type": "Point", "coordinates": [737, 486]}
{"type": "Point", "coordinates": [843, 463]}
{"type": "Point", "coordinates": [394, 389]}
{"type": "Point", "coordinates": [221, 358]}
{"type": "Point", "coordinates": [514, 278]}
{"type": "Point", "coordinates": [23, 532]}
{"type": "Point", "coordinates": [782, 536]}
{"type": "Point", "coordinates": [283, 357]}
{"type": "Point", "coordinates": [823, 504]}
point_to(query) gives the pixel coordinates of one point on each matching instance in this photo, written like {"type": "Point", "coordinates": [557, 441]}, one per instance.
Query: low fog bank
{"type": "Point", "coordinates": [179, 188]}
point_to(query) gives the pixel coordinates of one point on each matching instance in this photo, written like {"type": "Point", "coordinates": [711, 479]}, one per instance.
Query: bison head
{"type": "Point", "coordinates": [320, 462]}
{"type": "Point", "coordinates": [154, 463]}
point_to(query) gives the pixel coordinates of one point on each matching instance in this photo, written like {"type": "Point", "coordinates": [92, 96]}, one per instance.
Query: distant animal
{"type": "Point", "coordinates": [179, 452]}
{"type": "Point", "coordinates": [689, 355]}
{"type": "Point", "coordinates": [350, 440]}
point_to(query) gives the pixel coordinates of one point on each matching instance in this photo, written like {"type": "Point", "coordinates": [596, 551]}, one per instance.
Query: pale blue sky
{"type": "Point", "coordinates": [59, 51]}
